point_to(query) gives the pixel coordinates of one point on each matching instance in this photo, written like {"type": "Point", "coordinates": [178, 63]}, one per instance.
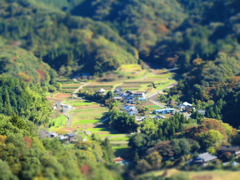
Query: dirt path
{"type": "Point", "coordinates": [74, 95]}
{"type": "Point", "coordinates": [119, 142]}
{"type": "Point", "coordinates": [66, 110]}
{"type": "Point", "coordinates": [153, 98]}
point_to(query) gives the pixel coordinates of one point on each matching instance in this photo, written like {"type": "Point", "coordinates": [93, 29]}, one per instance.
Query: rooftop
{"type": "Point", "coordinates": [230, 148]}
{"type": "Point", "coordinates": [206, 157]}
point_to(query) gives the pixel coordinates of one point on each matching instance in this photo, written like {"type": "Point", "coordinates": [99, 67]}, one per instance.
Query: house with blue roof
{"type": "Point", "coordinates": [165, 111]}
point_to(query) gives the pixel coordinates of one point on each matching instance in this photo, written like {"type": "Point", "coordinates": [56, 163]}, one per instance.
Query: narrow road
{"type": "Point", "coordinates": [157, 103]}
{"type": "Point", "coordinates": [66, 110]}
{"type": "Point", "coordinates": [153, 97]}
{"type": "Point", "coordinates": [65, 113]}
{"type": "Point", "coordinates": [119, 142]}
{"type": "Point", "coordinates": [74, 95]}
{"type": "Point", "coordinates": [70, 118]}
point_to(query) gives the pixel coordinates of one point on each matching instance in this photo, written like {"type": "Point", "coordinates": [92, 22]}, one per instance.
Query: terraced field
{"type": "Point", "coordinates": [194, 175]}
{"type": "Point", "coordinates": [69, 87]}
{"type": "Point", "coordinates": [95, 87]}
{"type": "Point", "coordinates": [87, 115]}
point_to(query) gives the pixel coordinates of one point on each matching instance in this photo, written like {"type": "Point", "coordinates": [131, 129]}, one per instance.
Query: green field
{"type": "Point", "coordinates": [79, 103]}
{"type": "Point", "coordinates": [87, 121]}
{"type": "Point", "coordinates": [192, 175]}
{"type": "Point", "coordinates": [154, 106]}
{"type": "Point", "coordinates": [59, 121]}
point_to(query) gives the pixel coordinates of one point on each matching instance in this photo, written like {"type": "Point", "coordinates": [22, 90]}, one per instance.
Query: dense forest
{"type": "Point", "coordinates": [40, 40]}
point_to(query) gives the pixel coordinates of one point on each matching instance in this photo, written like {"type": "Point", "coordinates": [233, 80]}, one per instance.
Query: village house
{"type": "Point", "coordinates": [202, 112]}
{"type": "Point", "coordinates": [233, 149]}
{"type": "Point", "coordinates": [142, 99]}
{"type": "Point", "coordinates": [130, 101]}
{"type": "Point", "coordinates": [165, 111]}
{"type": "Point", "coordinates": [53, 134]}
{"type": "Point", "coordinates": [120, 161]}
{"type": "Point", "coordinates": [86, 76]}
{"type": "Point", "coordinates": [140, 118]}
{"type": "Point", "coordinates": [204, 159]}
{"type": "Point", "coordinates": [118, 91]}
{"type": "Point", "coordinates": [129, 93]}
{"type": "Point", "coordinates": [119, 98]}
{"type": "Point", "coordinates": [186, 107]}
{"type": "Point", "coordinates": [124, 95]}
{"type": "Point", "coordinates": [102, 91]}
{"type": "Point", "coordinates": [63, 138]}
{"type": "Point", "coordinates": [131, 110]}
{"type": "Point", "coordinates": [140, 94]}
{"type": "Point", "coordinates": [71, 137]}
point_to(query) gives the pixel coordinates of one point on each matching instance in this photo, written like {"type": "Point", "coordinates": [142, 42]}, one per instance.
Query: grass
{"type": "Point", "coordinates": [68, 87]}
{"type": "Point", "coordinates": [154, 106]}
{"type": "Point", "coordinates": [214, 175]}
{"type": "Point", "coordinates": [86, 121]}
{"type": "Point", "coordinates": [130, 67]}
{"type": "Point", "coordinates": [67, 90]}
{"type": "Point", "coordinates": [120, 151]}
{"type": "Point", "coordinates": [59, 121]}
{"type": "Point", "coordinates": [120, 139]}
{"type": "Point", "coordinates": [110, 135]}
{"type": "Point", "coordinates": [96, 129]}
{"type": "Point", "coordinates": [95, 110]}
{"type": "Point", "coordinates": [79, 103]}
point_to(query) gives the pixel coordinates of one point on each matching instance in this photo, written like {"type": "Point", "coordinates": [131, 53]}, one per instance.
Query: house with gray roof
{"type": "Point", "coordinates": [204, 159]}
{"type": "Point", "coordinates": [233, 149]}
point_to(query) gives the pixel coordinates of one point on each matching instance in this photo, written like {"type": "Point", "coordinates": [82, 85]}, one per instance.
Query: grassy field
{"type": "Point", "coordinates": [85, 112]}
{"type": "Point", "coordinates": [195, 175]}
{"type": "Point", "coordinates": [58, 122]}
{"type": "Point", "coordinates": [132, 71]}
{"type": "Point", "coordinates": [154, 106]}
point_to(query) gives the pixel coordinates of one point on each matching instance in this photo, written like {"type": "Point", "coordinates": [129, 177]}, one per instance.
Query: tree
{"type": "Point", "coordinates": [138, 140]}
{"type": "Point", "coordinates": [108, 150]}
{"type": "Point", "coordinates": [123, 122]}
{"type": "Point", "coordinates": [212, 138]}
{"type": "Point", "coordinates": [143, 166]}
{"type": "Point", "coordinates": [154, 159]}
{"type": "Point", "coordinates": [181, 147]}
{"type": "Point", "coordinates": [5, 171]}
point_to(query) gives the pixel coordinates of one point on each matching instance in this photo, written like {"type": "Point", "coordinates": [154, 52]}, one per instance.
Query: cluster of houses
{"type": "Point", "coordinates": [69, 137]}
{"type": "Point", "coordinates": [205, 158]}
{"type": "Point", "coordinates": [62, 107]}
{"type": "Point", "coordinates": [130, 97]}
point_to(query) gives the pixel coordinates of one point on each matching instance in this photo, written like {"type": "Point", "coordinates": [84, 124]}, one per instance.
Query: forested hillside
{"type": "Point", "coordinates": [41, 39]}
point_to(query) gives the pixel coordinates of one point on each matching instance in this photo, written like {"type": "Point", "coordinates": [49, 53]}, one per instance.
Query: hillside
{"type": "Point", "coordinates": [52, 46]}
{"type": "Point", "coordinates": [64, 41]}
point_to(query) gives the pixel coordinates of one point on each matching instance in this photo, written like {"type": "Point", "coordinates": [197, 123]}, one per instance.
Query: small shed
{"type": "Point", "coordinates": [53, 134]}
{"type": "Point", "coordinates": [202, 112]}
{"type": "Point", "coordinates": [140, 118]}
{"type": "Point", "coordinates": [102, 90]}
{"type": "Point", "coordinates": [71, 137]}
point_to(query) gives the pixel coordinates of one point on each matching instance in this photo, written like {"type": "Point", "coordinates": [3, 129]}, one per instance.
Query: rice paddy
{"type": "Point", "coordinates": [88, 115]}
